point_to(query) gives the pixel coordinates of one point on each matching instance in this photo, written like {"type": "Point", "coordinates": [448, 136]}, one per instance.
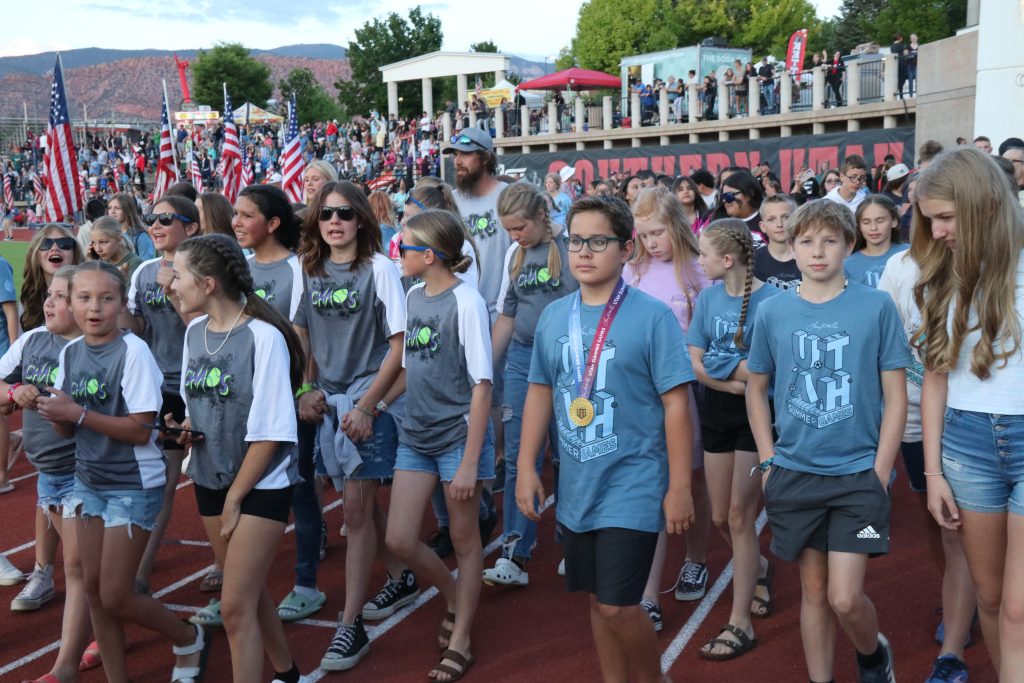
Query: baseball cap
{"type": "Point", "coordinates": [276, 178]}
{"type": "Point", "coordinates": [896, 172]}
{"type": "Point", "coordinates": [566, 173]}
{"type": "Point", "coordinates": [469, 140]}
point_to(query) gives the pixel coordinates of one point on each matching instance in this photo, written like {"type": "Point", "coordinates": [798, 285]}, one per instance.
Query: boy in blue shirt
{"type": "Point", "coordinates": [607, 363]}
{"type": "Point", "coordinates": [837, 351]}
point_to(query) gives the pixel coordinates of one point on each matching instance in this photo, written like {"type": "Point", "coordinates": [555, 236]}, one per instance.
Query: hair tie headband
{"type": "Point", "coordinates": [415, 202]}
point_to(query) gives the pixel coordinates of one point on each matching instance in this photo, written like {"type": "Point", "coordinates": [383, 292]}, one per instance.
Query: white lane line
{"type": "Point", "coordinates": [32, 656]}
{"type": "Point", "coordinates": [675, 648]}
{"type": "Point", "coordinates": [425, 597]}
{"type": "Point", "coordinates": [23, 477]}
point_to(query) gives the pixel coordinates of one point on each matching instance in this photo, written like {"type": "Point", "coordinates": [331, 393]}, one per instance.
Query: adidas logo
{"type": "Point", "coordinates": [868, 532]}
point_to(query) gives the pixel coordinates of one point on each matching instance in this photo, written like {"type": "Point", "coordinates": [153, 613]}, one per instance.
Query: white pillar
{"type": "Point", "coordinates": [634, 110]}
{"type": "Point", "coordinates": [460, 89]}
{"type": "Point", "coordinates": [606, 104]}
{"type": "Point", "coordinates": [818, 89]}
{"type": "Point", "coordinates": [393, 99]}
{"type": "Point", "coordinates": [786, 93]}
{"type": "Point", "coordinates": [999, 85]}
{"type": "Point", "coordinates": [853, 84]}
{"type": "Point", "coordinates": [552, 117]}
{"type": "Point", "coordinates": [524, 120]}
{"type": "Point", "coordinates": [852, 125]}
{"type": "Point", "coordinates": [499, 123]}
{"type": "Point", "coordinates": [499, 76]}
{"type": "Point", "coordinates": [754, 93]}
{"type": "Point", "coordinates": [446, 126]}
{"type": "Point", "coordinates": [890, 78]}
{"type": "Point", "coordinates": [663, 109]}
{"type": "Point", "coordinates": [723, 104]}
{"type": "Point", "coordinates": [472, 119]}
{"type": "Point", "coordinates": [428, 96]}
{"type": "Point", "coordinates": [580, 114]}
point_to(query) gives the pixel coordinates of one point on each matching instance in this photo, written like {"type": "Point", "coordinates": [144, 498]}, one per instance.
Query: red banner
{"type": "Point", "coordinates": [796, 50]}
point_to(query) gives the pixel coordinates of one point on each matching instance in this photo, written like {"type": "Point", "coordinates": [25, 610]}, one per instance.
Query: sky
{"type": "Point", "coordinates": [534, 29]}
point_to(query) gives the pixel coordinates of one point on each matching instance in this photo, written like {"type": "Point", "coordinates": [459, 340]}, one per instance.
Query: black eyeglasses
{"type": "Point", "coordinates": [466, 140]}
{"type": "Point", "coordinates": [63, 243]}
{"type": "Point", "coordinates": [345, 213]}
{"type": "Point", "coordinates": [596, 244]}
{"type": "Point", "coordinates": [165, 218]}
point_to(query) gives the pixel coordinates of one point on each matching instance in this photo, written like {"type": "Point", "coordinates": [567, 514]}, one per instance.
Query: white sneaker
{"type": "Point", "coordinates": [37, 591]}
{"type": "Point", "coordinates": [561, 567]}
{"type": "Point", "coordinates": [9, 574]}
{"type": "Point", "coordinates": [507, 573]}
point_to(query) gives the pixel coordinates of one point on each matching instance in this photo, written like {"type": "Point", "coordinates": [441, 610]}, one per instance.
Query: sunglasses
{"type": "Point", "coordinates": [402, 248]}
{"type": "Point", "coordinates": [345, 213]}
{"type": "Point", "coordinates": [63, 243]}
{"type": "Point", "coordinates": [165, 219]}
{"type": "Point", "coordinates": [728, 197]}
{"type": "Point", "coordinates": [466, 140]}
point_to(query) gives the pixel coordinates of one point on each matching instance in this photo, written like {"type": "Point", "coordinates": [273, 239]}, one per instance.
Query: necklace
{"type": "Point", "coordinates": [206, 332]}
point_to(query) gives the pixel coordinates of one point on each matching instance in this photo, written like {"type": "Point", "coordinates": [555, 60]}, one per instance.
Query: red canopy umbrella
{"type": "Point", "coordinates": [573, 79]}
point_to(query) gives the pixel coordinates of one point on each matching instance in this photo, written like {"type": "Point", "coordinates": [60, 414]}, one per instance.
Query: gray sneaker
{"type": "Point", "coordinates": [37, 591]}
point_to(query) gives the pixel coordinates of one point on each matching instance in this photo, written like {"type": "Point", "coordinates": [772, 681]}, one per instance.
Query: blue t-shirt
{"type": "Point", "coordinates": [7, 293]}
{"type": "Point", "coordinates": [716, 317]}
{"type": "Point", "coordinates": [827, 360]}
{"type": "Point", "coordinates": [614, 471]}
{"type": "Point", "coordinates": [143, 245]}
{"type": "Point", "coordinates": [563, 203]}
{"type": "Point", "coordinates": [867, 270]}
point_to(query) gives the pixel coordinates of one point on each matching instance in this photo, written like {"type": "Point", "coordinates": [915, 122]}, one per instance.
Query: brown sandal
{"type": "Point", "coordinates": [454, 674]}
{"type": "Point", "coordinates": [444, 632]}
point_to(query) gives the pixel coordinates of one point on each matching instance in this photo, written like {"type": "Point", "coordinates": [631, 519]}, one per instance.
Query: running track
{"type": "Point", "coordinates": [538, 633]}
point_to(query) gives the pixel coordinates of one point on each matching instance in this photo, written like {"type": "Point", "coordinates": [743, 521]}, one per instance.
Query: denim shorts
{"type": "Point", "coordinates": [378, 452]}
{"type": "Point", "coordinates": [117, 507]}
{"type": "Point", "coordinates": [983, 460]}
{"type": "Point", "coordinates": [53, 490]}
{"type": "Point", "coordinates": [446, 464]}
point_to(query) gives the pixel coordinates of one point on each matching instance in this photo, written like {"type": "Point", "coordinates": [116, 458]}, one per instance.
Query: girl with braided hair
{"type": "Point", "coordinates": [665, 266]}
{"type": "Point", "coordinates": [718, 339]}
{"type": "Point", "coordinates": [239, 354]}
{"type": "Point", "coordinates": [352, 320]}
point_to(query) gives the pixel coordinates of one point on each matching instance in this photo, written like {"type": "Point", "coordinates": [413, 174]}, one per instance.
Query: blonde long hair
{"type": "Point", "coordinates": [979, 275]}
{"type": "Point", "coordinates": [529, 202]}
{"type": "Point", "coordinates": [665, 207]}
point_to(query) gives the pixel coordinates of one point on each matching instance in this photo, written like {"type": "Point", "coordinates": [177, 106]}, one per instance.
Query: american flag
{"type": "Point", "coordinates": [247, 176]}
{"type": "Point", "coordinates": [63, 194]}
{"type": "Point", "coordinates": [39, 185]}
{"type": "Point", "coordinates": [83, 187]}
{"type": "Point", "coordinates": [292, 163]}
{"type": "Point", "coordinates": [8, 194]}
{"type": "Point", "coordinates": [166, 169]}
{"type": "Point", "coordinates": [195, 173]}
{"type": "Point", "coordinates": [231, 155]}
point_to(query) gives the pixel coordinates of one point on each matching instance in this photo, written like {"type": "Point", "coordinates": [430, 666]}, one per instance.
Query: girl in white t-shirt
{"type": "Point", "coordinates": [969, 234]}
{"type": "Point", "coordinates": [665, 266]}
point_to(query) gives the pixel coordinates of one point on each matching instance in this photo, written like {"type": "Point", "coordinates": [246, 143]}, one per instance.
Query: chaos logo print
{"type": "Point", "coordinates": [597, 438]}
{"type": "Point", "coordinates": [819, 388]}
{"type": "Point", "coordinates": [333, 299]}
{"type": "Point", "coordinates": [422, 338]}
{"type": "Point", "coordinates": [208, 379]}
{"type": "Point", "coordinates": [265, 290]}
{"type": "Point", "coordinates": [154, 296]}
{"type": "Point", "coordinates": [41, 371]}
{"type": "Point", "coordinates": [89, 389]}
{"type": "Point", "coordinates": [534, 279]}
{"type": "Point", "coordinates": [482, 226]}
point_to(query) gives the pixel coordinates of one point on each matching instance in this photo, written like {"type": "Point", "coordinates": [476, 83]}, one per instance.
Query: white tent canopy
{"type": "Point", "coordinates": [254, 114]}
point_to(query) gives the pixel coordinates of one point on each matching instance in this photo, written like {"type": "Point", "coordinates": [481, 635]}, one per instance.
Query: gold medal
{"type": "Point", "coordinates": [581, 412]}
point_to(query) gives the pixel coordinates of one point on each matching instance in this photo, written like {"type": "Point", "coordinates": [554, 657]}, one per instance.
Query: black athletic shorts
{"type": "Point", "coordinates": [173, 403]}
{"type": "Point", "coordinates": [612, 564]}
{"type": "Point", "coordinates": [274, 504]}
{"type": "Point", "coordinates": [845, 513]}
{"type": "Point", "coordinates": [724, 426]}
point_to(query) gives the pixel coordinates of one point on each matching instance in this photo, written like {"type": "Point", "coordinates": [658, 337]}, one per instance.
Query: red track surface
{"type": "Point", "coordinates": [538, 633]}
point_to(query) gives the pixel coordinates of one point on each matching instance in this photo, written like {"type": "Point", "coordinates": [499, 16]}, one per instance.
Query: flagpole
{"type": "Point", "coordinates": [170, 127]}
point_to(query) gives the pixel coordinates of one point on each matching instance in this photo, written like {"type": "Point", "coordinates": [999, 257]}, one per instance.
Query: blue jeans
{"type": "Point", "coordinates": [306, 508]}
{"type": "Point", "coordinates": [520, 534]}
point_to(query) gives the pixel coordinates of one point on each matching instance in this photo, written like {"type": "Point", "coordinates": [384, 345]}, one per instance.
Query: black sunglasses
{"type": "Point", "coordinates": [466, 140]}
{"type": "Point", "coordinates": [345, 213]}
{"type": "Point", "coordinates": [63, 243]}
{"type": "Point", "coordinates": [165, 218]}
{"type": "Point", "coordinates": [728, 197]}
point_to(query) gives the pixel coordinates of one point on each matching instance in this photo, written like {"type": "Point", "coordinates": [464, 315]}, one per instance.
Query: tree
{"type": "Point", "coordinates": [248, 79]}
{"type": "Point", "coordinates": [484, 46]}
{"type": "Point", "coordinates": [929, 19]}
{"type": "Point", "coordinates": [608, 30]}
{"type": "Point", "coordinates": [311, 100]}
{"type": "Point", "coordinates": [771, 23]}
{"type": "Point", "coordinates": [381, 42]}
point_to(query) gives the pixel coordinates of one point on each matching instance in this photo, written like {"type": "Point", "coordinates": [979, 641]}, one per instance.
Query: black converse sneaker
{"type": "Point", "coordinates": [395, 594]}
{"type": "Point", "coordinates": [349, 645]}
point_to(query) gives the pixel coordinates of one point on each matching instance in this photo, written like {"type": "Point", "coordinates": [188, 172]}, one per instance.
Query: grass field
{"type": "Point", "coordinates": [15, 252]}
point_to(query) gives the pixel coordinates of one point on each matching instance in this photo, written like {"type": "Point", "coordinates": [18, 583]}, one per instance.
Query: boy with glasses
{"type": "Point", "coordinates": [853, 183]}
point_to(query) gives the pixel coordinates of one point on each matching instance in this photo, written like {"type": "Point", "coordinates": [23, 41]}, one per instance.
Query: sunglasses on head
{"type": "Point", "coordinates": [345, 213]}
{"type": "Point", "coordinates": [63, 243]}
{"type": "Point", "coordinates": [466, 140]}
{"type": "Point", "coordinates": [165, 218]}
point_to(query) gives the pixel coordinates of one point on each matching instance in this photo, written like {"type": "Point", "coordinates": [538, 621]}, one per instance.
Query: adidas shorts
{"type": "Point", "coordinates": [847, 513]}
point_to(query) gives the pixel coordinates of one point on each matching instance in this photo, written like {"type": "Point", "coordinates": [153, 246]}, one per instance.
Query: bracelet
{"type": "Point", "coordinates": [381, 407]}
{"type": "Point", "coordinates": [81, 418]}
{"type": "Point", "coordinates": [764, 466]}
{"type": "Point", "coordinates": [10, 394]}
{"type": "Point", "coordinates": [364, 411]}
{"type": "Point", "coordinates": [304, 389]}
{"type": "Point", "coordinates": [934, 474]}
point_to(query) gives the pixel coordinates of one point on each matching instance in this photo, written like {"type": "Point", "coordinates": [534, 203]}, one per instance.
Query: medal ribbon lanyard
{"type": "Point", "coordinates": [585, 376]}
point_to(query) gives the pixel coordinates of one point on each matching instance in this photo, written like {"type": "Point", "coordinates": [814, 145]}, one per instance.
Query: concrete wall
{"type": "Point", "coordinates": [947, 73]}
{"type": "Point", "coordinates": [1000, 97]}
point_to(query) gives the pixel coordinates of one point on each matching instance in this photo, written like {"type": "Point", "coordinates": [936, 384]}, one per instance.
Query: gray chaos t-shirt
{"type": "Point", "coordinates": [481, 217]}
{"type": "Point", "coordinates": [526, 296]}
{"type": "Point", "coordinates": [165, 329]}
{"type": "Point", "coordinates": [239, 395]}
{"type": "Point", "coordinates": [278, 283]}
